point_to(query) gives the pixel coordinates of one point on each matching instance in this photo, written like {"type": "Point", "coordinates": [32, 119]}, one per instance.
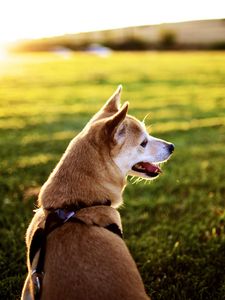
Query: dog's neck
{"type": "Point", "coordinates": [91, 179]}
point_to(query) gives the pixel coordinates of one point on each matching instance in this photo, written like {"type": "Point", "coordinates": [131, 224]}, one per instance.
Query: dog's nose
{"type": "Point", "coordinates": [171, 148]}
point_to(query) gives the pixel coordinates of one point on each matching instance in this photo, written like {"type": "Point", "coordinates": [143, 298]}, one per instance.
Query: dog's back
{"type": "Point", "coordinates": [89, 263]}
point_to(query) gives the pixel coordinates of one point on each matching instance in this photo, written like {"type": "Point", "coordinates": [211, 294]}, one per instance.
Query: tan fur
{"type": "Point", "coordinates": [87, 261]}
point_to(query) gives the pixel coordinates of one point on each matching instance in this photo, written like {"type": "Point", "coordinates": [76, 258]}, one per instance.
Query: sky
{"type": "Point", "coordinates": [21, 19]}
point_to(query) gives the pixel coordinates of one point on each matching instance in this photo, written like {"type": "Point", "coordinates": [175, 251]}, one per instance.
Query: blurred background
{"type": "Point", "coordinates": [59, 62]}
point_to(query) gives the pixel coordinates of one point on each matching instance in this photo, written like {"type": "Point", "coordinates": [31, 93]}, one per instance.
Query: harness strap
{"type": "Point", "coordinates": [115, 229]}
{"type": "Point", "coordinates": [39, 242]}
{"type": "Point", "coordinates": [79, 205]}
{"type": "Point", "coordinates": [54, 220]}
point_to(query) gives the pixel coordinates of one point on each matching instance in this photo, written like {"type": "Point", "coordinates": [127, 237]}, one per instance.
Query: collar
{"type": "Point", "coordinates": [79, 205]}
{"type": "Point", "coordinates": [65, 216]}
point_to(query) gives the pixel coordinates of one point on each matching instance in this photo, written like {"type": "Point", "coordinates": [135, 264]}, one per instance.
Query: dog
{"type": "Point", "coordinates": [87, 259]}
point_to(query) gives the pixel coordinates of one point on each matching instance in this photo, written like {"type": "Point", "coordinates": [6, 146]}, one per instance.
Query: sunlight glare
{"type": "Point", "coordinates": [3, 52]}
{"type": "Point", "coordinates": [34, 19]}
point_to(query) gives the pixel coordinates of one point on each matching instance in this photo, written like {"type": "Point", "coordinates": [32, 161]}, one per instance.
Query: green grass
{"type": "Point", "coordinates": [175, 226]}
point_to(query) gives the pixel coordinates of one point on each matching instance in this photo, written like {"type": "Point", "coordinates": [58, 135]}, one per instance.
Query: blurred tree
{"type": "Point", "coordinates": [167, 39]}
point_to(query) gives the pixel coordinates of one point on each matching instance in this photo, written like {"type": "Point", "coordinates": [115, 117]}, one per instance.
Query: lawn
{"type": "Point", "coordinates": [174, 226]}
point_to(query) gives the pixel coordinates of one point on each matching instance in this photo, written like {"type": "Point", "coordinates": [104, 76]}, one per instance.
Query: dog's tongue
{"type": "Point", "coordinates": [151, 168]}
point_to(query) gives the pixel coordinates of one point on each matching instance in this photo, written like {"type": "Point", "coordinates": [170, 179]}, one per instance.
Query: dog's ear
{"type": "Point", "coordinates": [115, 128]}
{"type": "Point", "coordinates": [113, 104]}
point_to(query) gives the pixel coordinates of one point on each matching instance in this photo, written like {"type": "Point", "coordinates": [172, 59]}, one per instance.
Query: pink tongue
{"type": "Point", "coordinates": [151, 168]}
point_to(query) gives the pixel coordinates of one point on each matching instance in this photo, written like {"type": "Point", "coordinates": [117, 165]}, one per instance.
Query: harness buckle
{"type": "Point", "coordinates": [37, 281]}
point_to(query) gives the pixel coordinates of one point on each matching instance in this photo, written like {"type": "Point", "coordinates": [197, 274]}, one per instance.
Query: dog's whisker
{"type": "Point", "coordinates": [140, 179]}
{"type": "Point", "coordinates": [143, 121]}
{"type": "Point", "coordinates": [137, 180]}
{"type": "Point", "coordinates": [131, 179]}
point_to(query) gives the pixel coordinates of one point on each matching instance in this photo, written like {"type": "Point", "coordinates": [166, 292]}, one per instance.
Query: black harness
{"type": "Point", "coordinates": [55, 218]}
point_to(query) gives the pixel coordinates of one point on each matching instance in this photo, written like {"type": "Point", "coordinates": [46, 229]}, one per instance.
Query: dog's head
{"type": "Point", "coordinates": [132, 149]}
{"type": "Point", "coordinates": [111, 146]}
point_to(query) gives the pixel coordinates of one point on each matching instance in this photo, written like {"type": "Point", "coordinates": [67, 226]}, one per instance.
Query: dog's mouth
{"type": "Point", "coordinates": [149, 169]}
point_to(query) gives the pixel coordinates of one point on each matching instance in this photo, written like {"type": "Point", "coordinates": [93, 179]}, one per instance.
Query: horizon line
{"type": "Point", "coordinates": [74, 32]}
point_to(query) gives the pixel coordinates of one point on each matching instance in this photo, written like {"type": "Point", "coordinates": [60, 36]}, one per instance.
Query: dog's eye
{"type": "Point", "coordinates": [144, 143]}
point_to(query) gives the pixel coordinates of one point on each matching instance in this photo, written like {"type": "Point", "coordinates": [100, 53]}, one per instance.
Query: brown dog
{"type": "Point", "coordinates": [87, 259]}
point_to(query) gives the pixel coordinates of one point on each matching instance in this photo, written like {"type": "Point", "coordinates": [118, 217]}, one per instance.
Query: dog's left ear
{"type": "Point", "coordinates": [113, 103]}
{"type": "Point", "coordinates": [110, 107]}
{"type": "Point", "coordinates": [115, 128]}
